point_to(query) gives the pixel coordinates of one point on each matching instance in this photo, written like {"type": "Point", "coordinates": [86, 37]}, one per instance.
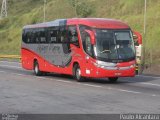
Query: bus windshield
{"type": "Point", "coordinates": [114, 45]}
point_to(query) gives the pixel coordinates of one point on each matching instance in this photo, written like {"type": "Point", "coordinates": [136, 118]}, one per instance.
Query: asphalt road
{"type": "Point", "coordinates": [22, 92]}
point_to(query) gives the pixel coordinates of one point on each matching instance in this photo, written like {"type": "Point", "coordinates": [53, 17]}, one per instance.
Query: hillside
{"type": "Point", "coordinates": [22, 12]}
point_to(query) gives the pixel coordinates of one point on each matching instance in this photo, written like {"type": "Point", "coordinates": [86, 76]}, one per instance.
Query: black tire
{"type": "Point", "coordinates": [137, 72]}
{"type": "Point", "coordinates": [37, 72]}
{"type": "Point", "coordinates": [113, 79]}
{"type": "Point", "coordinates": [77, 73]}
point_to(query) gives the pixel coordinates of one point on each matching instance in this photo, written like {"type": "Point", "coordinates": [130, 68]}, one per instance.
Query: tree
{"type": "Point", "coordinates": [82, 9]}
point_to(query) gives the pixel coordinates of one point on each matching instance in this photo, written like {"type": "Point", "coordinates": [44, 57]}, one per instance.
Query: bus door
{"type": "Point", "coordinates": [72, 36]}
{"type": "Point", "coordinates": [88, 48]}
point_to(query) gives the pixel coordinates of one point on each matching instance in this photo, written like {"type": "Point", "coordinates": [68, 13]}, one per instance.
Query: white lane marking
{"type": "Point", "coordinates": [90, 85]}
{"type": "Point", "coordinates": [148, 76]}
{"type": "Point", "coordinates": [3, 72]}
{"type": "Point", "coordinates": [123, 90]}
{"type": "Point", "coordinates": [10, 66]}
{"type": "Point", "coordinates": [80, 84]}
{"type": "Point", "coordinates": [109, 88]}
{"type": "Point", "coordinates": [158, 85]}
{"type": "Point", "coordinates": [129, 91]}
{"type": "Point", "coordinates": [36, 77]}
{"type": "Point", "coordinates": [136, 75]}
{"type": "Point", "coordinates": [144, 83]}
{"type": "Point", "coordinates": [154, 95]}
{"type": "Point", "coordinates": [63, 81]}
{"type": "Point", "coordinates": [9, 62]}
{"type": "Point", "coordinates": [16, 74]}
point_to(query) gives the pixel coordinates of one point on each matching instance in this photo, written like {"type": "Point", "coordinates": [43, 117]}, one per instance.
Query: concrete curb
{"type": "Point", "coordinates": [10, 56]}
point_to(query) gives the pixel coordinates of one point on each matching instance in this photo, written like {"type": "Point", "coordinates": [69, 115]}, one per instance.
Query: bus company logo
{"type": "Point", "coordinates": [9, 117]}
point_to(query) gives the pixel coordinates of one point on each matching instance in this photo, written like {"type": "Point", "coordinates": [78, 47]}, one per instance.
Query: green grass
{"type": "Point", "coordinates": [23, 12]}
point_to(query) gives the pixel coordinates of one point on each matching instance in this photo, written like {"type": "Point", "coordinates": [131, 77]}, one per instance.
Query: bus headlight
{"type": "Point", "coordinates": [98, 65]}
{"type": "Point", "coordinates": [102, 64]}
{"type": "Point", "coordinates": [133, 66]}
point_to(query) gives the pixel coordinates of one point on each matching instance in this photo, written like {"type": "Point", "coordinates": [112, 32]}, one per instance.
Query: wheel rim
{"type": "Point", "coordinates": [78, 73]}
{"type": "Point", "coordinates": [36, 69]}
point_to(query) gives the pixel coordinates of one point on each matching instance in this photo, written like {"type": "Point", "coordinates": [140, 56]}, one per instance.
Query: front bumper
{"type": "Point", "coordinates": [101, 73]}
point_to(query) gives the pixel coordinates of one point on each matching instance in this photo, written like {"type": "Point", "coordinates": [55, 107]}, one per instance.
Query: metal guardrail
{"type": "Point", "coordinates": [10, 56]}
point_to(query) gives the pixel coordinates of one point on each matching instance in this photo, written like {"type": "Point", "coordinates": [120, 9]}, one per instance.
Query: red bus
{"type": "Point", "coordinates": [82, 47]}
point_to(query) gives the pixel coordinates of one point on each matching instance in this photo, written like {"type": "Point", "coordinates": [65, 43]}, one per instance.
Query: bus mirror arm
{"type": "Point", "coordinates": [92, 36]}
{"type": "Point", "coordinates": [138, 36]}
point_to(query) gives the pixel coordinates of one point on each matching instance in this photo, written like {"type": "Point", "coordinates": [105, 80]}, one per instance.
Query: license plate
{"type": "Point", "coordinates": [118, 74]}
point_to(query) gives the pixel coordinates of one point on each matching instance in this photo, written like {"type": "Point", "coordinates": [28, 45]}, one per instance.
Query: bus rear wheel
{"type": "Point", "coordinates": [77, 73]}
{"type": "Point", "coordinates": [113, 79]}
{"type": "Point", "coordinates": [36, 69]}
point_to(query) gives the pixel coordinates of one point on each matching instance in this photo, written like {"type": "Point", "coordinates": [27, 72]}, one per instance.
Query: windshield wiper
{"type": "Point", "coordinates": [105, 51]}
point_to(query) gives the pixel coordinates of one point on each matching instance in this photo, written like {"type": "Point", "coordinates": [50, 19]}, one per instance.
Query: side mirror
{"type": "Point", "coordinates": [138, 36]}
{"type": "Point", "coordinates": [135, 37]}
{"type": "Point", "coordinates": [92, 36]}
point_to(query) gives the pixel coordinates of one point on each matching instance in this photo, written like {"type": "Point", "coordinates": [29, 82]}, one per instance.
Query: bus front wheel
{"type": "Point", "coordinates": [36, 69]}
{"type": "Point", "coordinates": [77, 73]}
{"type": "Point", "coordinates": [113, 79]}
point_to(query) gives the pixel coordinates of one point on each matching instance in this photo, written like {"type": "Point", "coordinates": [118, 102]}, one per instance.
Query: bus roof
{"type": "Point", "coordinates": [93, 22]}
{"type": "Point", "coordinates": [47, 24]}
{"type": "Point", "coordinates": [99, 23]}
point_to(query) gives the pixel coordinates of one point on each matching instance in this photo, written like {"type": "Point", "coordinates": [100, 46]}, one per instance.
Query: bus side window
{"type": "Point", "coordinates": [24, 36]}
{"type": "Point", "coordinates": [73, 35]}
{"type": "Point", "coordinates": [62, 36]}
{"type": "Point", "coordinates": [32, 36]}
{"type": "Point", "coordinates": [52, 34]}
{"type": "Point", "coordinates": [28, 34]}
{"type": "Point", "coordinates": [37, 35]}
{"type": "Point", "coordinates": [43, 36]}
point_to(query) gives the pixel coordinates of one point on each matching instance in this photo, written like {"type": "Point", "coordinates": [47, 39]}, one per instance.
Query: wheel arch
{"type": "Point", "coordinates": [74, 63]}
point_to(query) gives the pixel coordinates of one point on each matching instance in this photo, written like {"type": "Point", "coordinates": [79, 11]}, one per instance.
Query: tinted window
{"type": "Point", "coordinates": [88, 45]}
{"type": "Point", "coordinates": [62, 36]}
{"type": "Point", "coordinates": [37, 36]}
{"type": "Point", "coordinates": [28, 34]}
{"type": "Point", "coordinates": [32, 36]}
{"type": "Point", "coordinates": [53, 35]}
{"type": "Point", "coordinates": [88, 48]}
{"type": "Point", "coordinates": [73, 35]}
{"type": "Point", "coordinates": [24, 36]}
{"type": "Point", "coordinates": [43, 36]}
{"type": "Point", "coordinates": [57, 34]}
